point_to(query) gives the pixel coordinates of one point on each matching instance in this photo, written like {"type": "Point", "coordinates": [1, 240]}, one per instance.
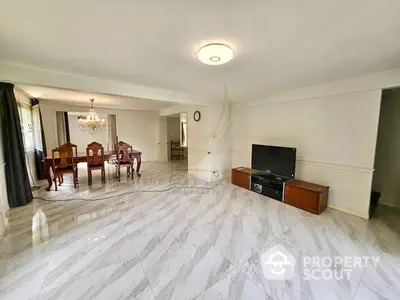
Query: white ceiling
{"type": "Point", "coordinates": [100, 100]}
{"type": "Point", "coordinates": [279, 45]}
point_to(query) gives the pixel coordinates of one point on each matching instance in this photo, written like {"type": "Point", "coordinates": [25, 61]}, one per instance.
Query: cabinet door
{"type": "Point", "coordinates": [301, 198]}
{"type": "Point", "coordinates": [241, 179]}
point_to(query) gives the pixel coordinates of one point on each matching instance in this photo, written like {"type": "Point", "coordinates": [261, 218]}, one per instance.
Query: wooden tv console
{"type": "Point", "coordinates": [301, 194]}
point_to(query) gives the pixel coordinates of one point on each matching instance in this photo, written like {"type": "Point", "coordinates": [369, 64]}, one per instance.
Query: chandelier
{"type": "Point", "coordinates": [92, 123]}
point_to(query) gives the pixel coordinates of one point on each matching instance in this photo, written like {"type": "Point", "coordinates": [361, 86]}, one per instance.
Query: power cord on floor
{"type": "Point", "coordinates": [34, 187]}
{"type": "Point", "coordinates": [133, 192]}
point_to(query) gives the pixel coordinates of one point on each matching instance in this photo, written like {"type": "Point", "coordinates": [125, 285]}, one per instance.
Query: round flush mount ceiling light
{"type": "Point", "coordinates": [215, 54]}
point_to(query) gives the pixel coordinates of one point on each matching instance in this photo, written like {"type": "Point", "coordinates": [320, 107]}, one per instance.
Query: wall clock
{"type": "Point", "coordinates": [196, 116]}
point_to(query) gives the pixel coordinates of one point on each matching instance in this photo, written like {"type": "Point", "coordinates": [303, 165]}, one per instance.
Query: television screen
{"type": "Point", "coordinates": [277, 160]}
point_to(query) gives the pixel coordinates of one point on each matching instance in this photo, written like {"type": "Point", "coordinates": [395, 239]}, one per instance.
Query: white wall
{"type": "Point", "coordinates": [387, 158]}
{"type": "Point", "coordinates": [335, 137]}
{"type": "Point", "coordinates": [136, 127]}
{"type": "Point", "coordinates": [209, 140]}
{"type": "Point", "coordinates": [173, 132]}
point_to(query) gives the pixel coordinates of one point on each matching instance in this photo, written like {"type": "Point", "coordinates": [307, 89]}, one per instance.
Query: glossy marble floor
{"type": "Point", "coordinates": [184, 243]}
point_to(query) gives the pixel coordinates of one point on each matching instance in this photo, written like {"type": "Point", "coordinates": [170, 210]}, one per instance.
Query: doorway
{"type": "Point", "coordinates": [385, 182]}
{"type": "Point", "coordinates": [174, 138]}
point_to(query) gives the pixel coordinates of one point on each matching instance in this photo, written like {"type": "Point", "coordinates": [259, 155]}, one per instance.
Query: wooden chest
{"type": "Point", "coordinates": [242, 177]}
{"type": "Point", "coordinates": [308, 196]}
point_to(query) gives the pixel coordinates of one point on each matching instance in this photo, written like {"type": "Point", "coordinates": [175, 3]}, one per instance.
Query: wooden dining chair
{"type": "Point", "coordinates": [65, 163]}
{"type": "Point", "coordinates": [124, 159]}
{"type": "Point", "coordinates": [95, 160]}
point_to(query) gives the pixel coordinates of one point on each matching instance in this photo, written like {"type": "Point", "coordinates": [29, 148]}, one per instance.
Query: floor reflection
{"type": "Point", "coordinates": [40, 228]}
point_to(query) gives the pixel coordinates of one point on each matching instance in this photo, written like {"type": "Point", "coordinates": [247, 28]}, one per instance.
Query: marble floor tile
{"type": "Point", "coordinates": [235, 198]}
{"type": "Point", "coordinates": [387, 215]}
{"type": "Point", "coordinates": [235, 237]}
{"type": "Point", "coordinates": [180, 277]}
{"type": "Point", "coordinates": [234, 286]}
{"type": "Point", "coordinates": [388, 240]}
{"type": "Point", "coordinates": [22, 276]}
{"type": "Point", "coordinates": [316, 240]}
{"type": "Point", "coordinates": [365, 293]}
{"type": "Point", "coordinates": [300, 285]}
{"type": "Point", "coordinates": [168, 235]}
{"type": "Point", "coordinates": [205, 208]}
{"type": "Point", "coordinates": [384, 280]}
{"type": "Point", "coordinates": [356, 228]}
{"type": "Point", "coordinates": [86, 255]}
{"type": "Point", "coordinates": [274, 216]}
{"type": "Point", "coordinates": [109, 280]}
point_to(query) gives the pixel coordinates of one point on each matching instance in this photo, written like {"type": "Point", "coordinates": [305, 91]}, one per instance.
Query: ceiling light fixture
{"type": "Point", "coordinates": [92, 123]}
{"type": "Point", "coordinates": [215, 54]}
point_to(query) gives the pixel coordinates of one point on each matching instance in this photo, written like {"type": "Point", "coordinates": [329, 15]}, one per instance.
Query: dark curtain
{"type": "Point", "coordinates": [18, 186]}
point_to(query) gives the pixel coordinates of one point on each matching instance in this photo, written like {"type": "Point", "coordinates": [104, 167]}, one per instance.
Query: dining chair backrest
{"type": "Point", "coordinates": [124, 151]}
{"type": "Point", "coordinates": [66, 153]}
{"type": "Point", "coordinates": [94, 154]}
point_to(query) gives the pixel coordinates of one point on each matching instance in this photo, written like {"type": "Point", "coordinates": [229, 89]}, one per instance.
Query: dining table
{"type": "Point", "coordinates": [81, 157]}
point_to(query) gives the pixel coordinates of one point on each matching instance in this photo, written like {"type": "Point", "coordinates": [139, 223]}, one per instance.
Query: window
{"type": "Point", "coordinates": [25, 115]}
{"type": "Point", "coordinates": [37, 133]}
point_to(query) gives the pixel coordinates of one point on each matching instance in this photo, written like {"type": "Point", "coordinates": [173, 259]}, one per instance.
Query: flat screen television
{"type": "Point", "coordinates": [274, 159]}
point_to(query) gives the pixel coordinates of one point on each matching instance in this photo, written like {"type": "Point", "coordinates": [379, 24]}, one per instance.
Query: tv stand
{"type": "Point", "coordinates": [301, 194]}
{"type": "Point", "coordinates": [268, 184]}
{"type": "Point", "coordinates": [263, 183]}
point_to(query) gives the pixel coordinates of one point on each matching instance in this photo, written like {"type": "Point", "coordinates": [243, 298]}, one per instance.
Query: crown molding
{"type": "Point", "coordinates": [23, 74]}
